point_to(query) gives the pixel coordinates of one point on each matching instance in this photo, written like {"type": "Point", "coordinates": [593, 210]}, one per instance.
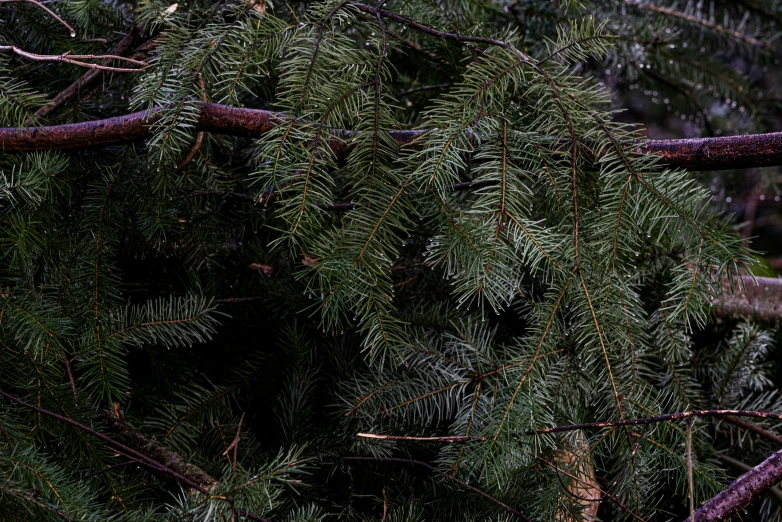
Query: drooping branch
{"type": "Point", "coordinates": [729, 152]}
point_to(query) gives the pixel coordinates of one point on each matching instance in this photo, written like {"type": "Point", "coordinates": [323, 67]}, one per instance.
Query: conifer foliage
{"type": "Point", "coordinates": [446, 244]}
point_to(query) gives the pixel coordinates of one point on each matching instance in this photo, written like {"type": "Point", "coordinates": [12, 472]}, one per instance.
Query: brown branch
{"type": "Point", "coordinates": [770, 435]}
{"type": "Point", "coordinates": [774, 490]}
{"type": "Point", "coordinates": [729, 152]}
{"type": "Point", "coordinates": [49, 11]}
{"type": "Point", "coordinates": [455, 439]}
{"type": "Point", "coordinates": [449, 477]}
{"type": "Point", "coordinates": [123, 47]}
{"type": "Point", "coordinates": [130, 452]}
{"type": "Point", "coordinates": [76, 59]}
{"type": "Point", "coordinates": [660, 418]}
{"type": "Point", "coordinates": [741, 491]}
{"type": "Point", "coordinates": [155, 450]}
{"type": "Point", "coordinates": [758, 299]}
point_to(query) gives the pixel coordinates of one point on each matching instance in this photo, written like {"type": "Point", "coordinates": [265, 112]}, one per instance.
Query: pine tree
{"type": "Point", "coordinates": [381, 261]}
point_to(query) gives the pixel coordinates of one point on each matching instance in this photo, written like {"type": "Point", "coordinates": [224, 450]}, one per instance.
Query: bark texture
{"type": "Point", "coordinates": [741, 491]}
{"type": "Point", "coordinates": [730, 152]}
{"type": "Point", "coordinates": [156, 451]}
{"type": "Point", "coordinates": [760, 299]}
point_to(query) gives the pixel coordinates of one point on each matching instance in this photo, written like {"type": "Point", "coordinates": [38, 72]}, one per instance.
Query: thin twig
{"type": "Point", "coordinates": [70, 29]}
{"type": "Point", "coordinates": [690, 485]}
{"type": "Point", "coordinates": [660, 418]}
{"type": "Point", "coordinates": [770, 435]}
{"type": "Point", "coordinates": [132, 39]}
{"type": "Point", "coordinates": [455, 439]}
{"type": "Point", "coordinates": [75, 59]}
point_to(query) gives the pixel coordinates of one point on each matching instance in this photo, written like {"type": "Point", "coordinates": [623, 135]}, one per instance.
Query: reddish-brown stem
{"type": "Point", "coordinates": [728, 152]}
{"type": "Point", "coordinates": [741, 491]}
{"type": "Point", "coordinates": [770, 435]}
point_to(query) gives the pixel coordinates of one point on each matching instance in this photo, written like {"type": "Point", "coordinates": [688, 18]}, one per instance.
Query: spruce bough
{"type": "Point", "coordinates": [443, 283]}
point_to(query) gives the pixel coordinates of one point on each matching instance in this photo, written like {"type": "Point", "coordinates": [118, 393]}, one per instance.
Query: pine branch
{"type": "Point", "coordinates": [449, 477]}
{"type": "Point", "coordinates": [130, 452]}
{"type": "Point", "coordinates": [726, 152]}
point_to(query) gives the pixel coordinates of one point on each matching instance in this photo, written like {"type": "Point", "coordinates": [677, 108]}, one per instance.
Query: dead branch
{"type": "Point", "coordinates": [155, 450]}
{"type": "Point", "coordinates": [76, 59]}
{"type": "Point", "coordinates": [123, 47]}
{"type": "Point", "coordinates": [729, 152]}
{"type": "Point", "coordinates": [756, 299]}
{"type": "Point", "coordinates": [741, 491]}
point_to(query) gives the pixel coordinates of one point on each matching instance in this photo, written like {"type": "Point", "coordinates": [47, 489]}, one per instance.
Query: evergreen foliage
{"type": "Point", "coordinates": [253, 305]}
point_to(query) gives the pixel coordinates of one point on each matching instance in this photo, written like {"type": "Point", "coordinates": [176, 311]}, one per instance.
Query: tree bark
{"type": "Point", "coordinates": [730, 152]}
{"type": "Point", "coordinates": [156, 451]}
{"type": "Point", "coordinates": [741, 491]}
{"type": "Point", "coordinates": [757, 301]}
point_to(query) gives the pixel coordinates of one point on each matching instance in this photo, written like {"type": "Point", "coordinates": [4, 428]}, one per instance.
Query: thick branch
{"type": "Point", "coordinates": [755, 150]}
{"type": "Point", "coordinates": [155, 450]}
{"type": "Point", "coordinates": [757, 301]}
{"type": "Point", "coordinates": [742, 490]}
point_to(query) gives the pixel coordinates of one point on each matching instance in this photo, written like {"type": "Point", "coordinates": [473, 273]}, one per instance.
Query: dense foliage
{"type": "Point", "coordinates": [254, 304]}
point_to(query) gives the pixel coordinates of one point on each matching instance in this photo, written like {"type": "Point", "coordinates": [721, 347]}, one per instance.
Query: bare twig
{"type": "Point", "coordinates": [770, 435]}
{"type": "Point", "coordinates": [234, 445]}
{"type": "Point", "coordinates": [76, 59]}
{"type": "Point", "coordinates": [660, 418]}
{"type": "Point", "coordinates": [690, 485]}
{"type": "Point", "coordinates": [456, 439]}
{"type": "Point", "coordinates": [132, 39]}
{"type": "Point", "coordinates": [51, 13]}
